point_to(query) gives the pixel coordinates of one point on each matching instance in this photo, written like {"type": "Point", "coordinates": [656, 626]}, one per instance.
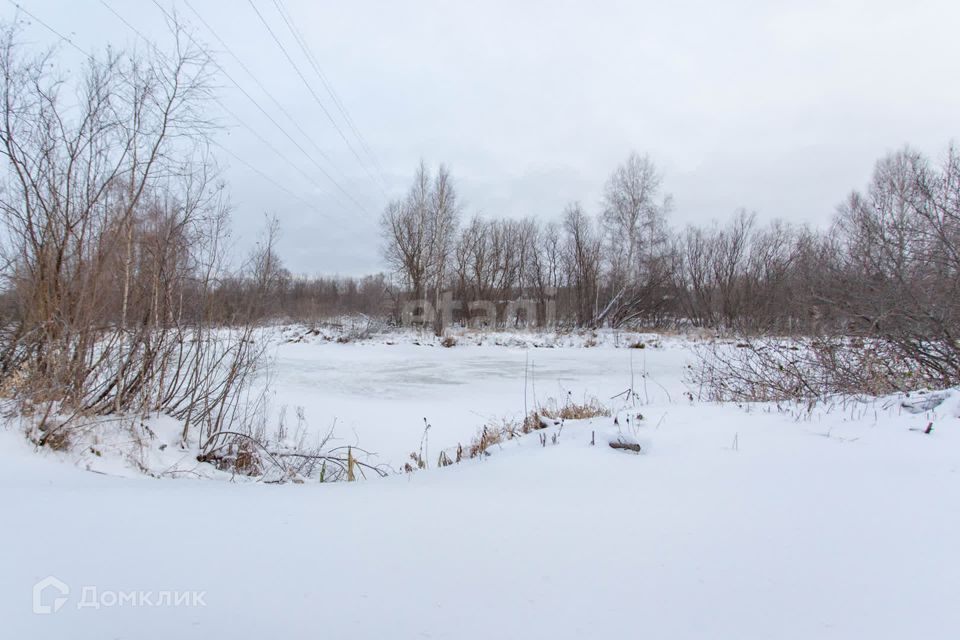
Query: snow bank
{"type": "Point", "coordinates": [730, 522]}
{"type": "Point", "coordinates": [727, 524]}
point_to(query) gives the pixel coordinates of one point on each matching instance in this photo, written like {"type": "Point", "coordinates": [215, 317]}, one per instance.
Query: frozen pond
{"type": "Point", "coordinates": [379, 394]}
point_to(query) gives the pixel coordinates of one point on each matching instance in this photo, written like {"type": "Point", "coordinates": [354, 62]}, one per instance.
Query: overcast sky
{"type": "Point", "coordinates": [779, 107]}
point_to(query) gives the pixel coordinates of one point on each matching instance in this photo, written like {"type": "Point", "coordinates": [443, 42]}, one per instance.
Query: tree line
{"type": "Point", "coordinates": [886, 265]}
{"type": "Point", "coordinates": [626, 266]}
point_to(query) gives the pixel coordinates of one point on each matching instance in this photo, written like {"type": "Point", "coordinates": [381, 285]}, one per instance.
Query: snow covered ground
{"type": "Point", "coordinates": [733, 522]}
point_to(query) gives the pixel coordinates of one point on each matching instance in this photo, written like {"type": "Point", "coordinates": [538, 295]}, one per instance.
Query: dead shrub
{"type": "Point", "coordinates": [444, 460]}
{"type": "Point", "coordinates": [772, 370]}
{"type": "Point", "coordinates": [239, 454]}
{"type": "Point", "coordinates": [418, 462]}
{"type": "Point", "coordinates": [286, 455]}
{"type": "Point", "coordinates": [486, 439]}
{"type": "Point", "coordinates": [246, 461]}
{"type": "Point", "coordinates": [448, 341]}
{"type": "Point", "coordinates": [57, 439]}
{"type": "Point", "coordinates": [590, 408]}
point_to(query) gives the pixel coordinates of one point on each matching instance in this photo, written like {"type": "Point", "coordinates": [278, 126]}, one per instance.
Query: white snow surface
{"type": "Point", "coordinates": [732, 522]}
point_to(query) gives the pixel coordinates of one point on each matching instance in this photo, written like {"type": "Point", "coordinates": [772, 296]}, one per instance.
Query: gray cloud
{"type": "Point", "coordinates": [779, 107]}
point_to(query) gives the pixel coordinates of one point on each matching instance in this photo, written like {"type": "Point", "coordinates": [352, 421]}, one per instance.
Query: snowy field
{"type": "Point", "coordinates": [732, 522]}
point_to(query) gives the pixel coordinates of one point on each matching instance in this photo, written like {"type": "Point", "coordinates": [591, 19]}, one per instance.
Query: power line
{"type": "Point", "coordinates": [268, 178]}
{"type": "Point", "coordinates": [266, 113]}
{"type": "Point", "coordinates": [52, 30]}
{"type": "Point", "coordinates": [217, 100]}
{"type": "Point", "coordinates": [234, 155]}
{"type": "Point", "coordinates": [315, 64]}
{"type": "Point", "coordinates": [243, 124]}
{"type": "Point", "coordinates": [267, 144]}
{"type": "Point", "coordinates": [263, 88]}
{"type": "Point", "coordinates": [312, 92]}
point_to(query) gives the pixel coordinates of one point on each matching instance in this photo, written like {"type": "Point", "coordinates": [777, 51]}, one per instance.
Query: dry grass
{"type": "Point", "coordinates": [487, 438]}
{"type": "Point", "coordinates": [589, 408]}
{"type": "Point", "coordinates": [497, 432]}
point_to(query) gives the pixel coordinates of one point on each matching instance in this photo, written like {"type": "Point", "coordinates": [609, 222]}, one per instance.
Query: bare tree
{"type": "Point", "coordinates": [419, 233]}
{"type": "Point", "coordinates": [582, 260]}
{"type": "Point", "coordinates": [637, 239]}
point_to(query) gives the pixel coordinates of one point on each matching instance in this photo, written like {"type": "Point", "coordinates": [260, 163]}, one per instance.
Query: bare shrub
{"type": "Point", "coordinates": [358, 329]}
{"type": "Point", "coordinates": [885, 293]}
{"type": "Point", "coordinates": [276, 456]}
{"type": "Point", "coordinates": [114, 243]}
{"type": "Point", "coordinates": [763, 370]}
